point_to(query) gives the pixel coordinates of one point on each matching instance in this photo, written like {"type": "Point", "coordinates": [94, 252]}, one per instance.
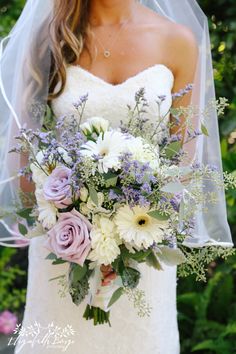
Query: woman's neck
{"type": "Point", "coordinates": [111, 12]}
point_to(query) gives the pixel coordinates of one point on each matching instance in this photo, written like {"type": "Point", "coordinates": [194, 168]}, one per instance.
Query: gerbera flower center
{"type": "Point", "coordinates": [142, 220]}
{"type": "Point", "coordinates": [104, 152]}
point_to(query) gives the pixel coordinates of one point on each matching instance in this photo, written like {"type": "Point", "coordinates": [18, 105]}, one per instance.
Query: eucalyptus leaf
{"type": "Point", "coordinates": [153, 261]}
{"type": "Point", "coordinates": [204, 129]}
{"type": "Point", "coordinates": [55, 278]}
{"type": "Point", "coordinates": [115, 296]}
{"type": "Point", "coordinates": [23, 229]}
{"type": "Point", "coordinates": [78, 272]}
{"type": "Point", "coordinates": [58, 261]}
{"type": "Point", "coordinates": [173, 187]}
{"type": "Point", "coordinates": [171, 256]}
{"type": "Point", "coordinates": [172, 149]}
{"type": "Point", "coordinates": [157, 215]}
{"type": "Point", "coordinates": [111, 182]}
{"type": "Point", "coordinates": [93, 195]}
{"type": "Point", "coordinates": [130, 277]}
{"type": "Point", "coordinates": [51, 256]}
{"type": "Point", "coordinates": [139, 256]}
{"type": "Point", "coordinates": [24, 213]}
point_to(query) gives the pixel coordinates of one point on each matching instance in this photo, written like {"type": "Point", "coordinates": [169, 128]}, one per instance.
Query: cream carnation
{"type": "Point", "coordinates": [144, 152]}
{"type": "Point", "coordinates": [104, 241]}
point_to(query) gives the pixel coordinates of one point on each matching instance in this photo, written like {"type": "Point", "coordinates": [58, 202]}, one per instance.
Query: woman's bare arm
{"type": "Point", "coordinates": [185, 56]}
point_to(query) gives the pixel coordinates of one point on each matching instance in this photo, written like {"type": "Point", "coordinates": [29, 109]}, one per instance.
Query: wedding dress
{"type": "Point", "coordinates": [128, 334]}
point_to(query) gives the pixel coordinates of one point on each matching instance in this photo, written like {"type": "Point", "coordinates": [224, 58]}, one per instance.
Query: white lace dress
{"type": "Point", "coordinates": [129, 334]}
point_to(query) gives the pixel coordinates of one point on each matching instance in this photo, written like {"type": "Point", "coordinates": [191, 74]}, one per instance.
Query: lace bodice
{"type": "Point", "coordinates": [110, 101]}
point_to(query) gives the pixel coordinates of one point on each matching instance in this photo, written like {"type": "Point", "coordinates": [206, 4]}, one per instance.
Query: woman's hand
{"type": "Point", "coordinates": [108, 274]}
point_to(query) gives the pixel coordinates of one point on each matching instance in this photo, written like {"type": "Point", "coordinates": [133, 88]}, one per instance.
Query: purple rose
{"type": "Point", "coordinates": [69, 239]}
{"type": "Point", "coordinates": [8, 322]}
{"type": "Point", "coordinates": [57, 188]}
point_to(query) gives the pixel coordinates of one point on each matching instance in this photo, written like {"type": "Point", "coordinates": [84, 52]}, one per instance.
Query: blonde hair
{"type": "Point", "coordinates": [68, 33]}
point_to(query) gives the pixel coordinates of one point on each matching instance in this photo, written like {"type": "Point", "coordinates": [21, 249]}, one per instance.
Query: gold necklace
{"type": "Point", "coordinates": [106, 51]}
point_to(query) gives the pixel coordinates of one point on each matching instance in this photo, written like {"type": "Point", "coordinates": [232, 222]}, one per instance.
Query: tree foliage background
{"type": "Point", "coordinates": [207, 312]}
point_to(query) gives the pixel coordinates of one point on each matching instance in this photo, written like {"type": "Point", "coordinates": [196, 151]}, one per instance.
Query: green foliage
{"type": "Point", "coordinates": [222, 25]}
{"type": "Point", "coordinates": [12, 294]}
{"type": "Point", "coordinates": [78, 282]}
{"type": "Point", "coordinates": [207, 313]}
{"type": "Point", "coordinates": [9, 12]}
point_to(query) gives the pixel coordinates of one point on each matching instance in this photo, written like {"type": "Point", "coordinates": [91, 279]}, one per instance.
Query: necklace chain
{"type": "Point", "coordinates": [106, 51]}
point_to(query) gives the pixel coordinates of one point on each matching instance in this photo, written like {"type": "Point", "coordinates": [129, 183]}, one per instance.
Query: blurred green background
{"type": "Point", "coordinates": [207, 311]}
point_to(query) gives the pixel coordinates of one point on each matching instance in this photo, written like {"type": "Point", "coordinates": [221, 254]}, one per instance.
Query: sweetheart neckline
{"type": "Point", "coordinates": [140, 73]}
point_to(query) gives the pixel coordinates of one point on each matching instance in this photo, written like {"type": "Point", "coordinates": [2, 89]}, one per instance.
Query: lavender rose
{"type": "Point", "coordinates": [69, 239]}
{"type": "Point", "coordinates": [57, 187]}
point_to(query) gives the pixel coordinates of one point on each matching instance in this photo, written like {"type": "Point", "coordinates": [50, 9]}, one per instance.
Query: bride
{"type": "Point", "coordinates": [108, 49]}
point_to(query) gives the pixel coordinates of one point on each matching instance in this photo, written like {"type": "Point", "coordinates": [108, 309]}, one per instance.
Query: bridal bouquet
{"type": "Point", "coordinates": [108, 199]}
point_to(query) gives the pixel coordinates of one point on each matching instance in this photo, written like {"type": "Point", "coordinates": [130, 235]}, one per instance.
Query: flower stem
{"type": "Point", "coordinates": [98, 315]}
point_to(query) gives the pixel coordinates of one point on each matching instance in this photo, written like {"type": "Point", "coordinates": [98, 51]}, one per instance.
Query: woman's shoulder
{"type": "Point", "coordinates": [174, 33]}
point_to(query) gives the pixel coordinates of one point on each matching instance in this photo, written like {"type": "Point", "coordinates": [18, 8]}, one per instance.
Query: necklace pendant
{"type": "Point", "coordinates": [107, 53]}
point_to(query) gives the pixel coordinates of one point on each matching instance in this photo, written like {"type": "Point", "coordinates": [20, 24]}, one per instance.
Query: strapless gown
{"type": "Point", "coordinates": [128, 334]}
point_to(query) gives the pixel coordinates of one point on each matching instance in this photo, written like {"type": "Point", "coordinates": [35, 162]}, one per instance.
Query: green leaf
{"type": "Point", "coordinates": [93, 195]}
{"type": "Point", "coordinates": [115, 296]}
{"type": "Point", "coordinates": [130, 277]}
{"type": "Point", "coordinates": [111, 182]}
{"type": "Point", "coordinates": [152, 261]}
{"type": "Point", "coordinates": [24, 213]}
{"type": "Point", "coordinates": [171, 256]}
{"type": "Point", "coordinates": [204, 129]}
{"type": "Point", "coordinates": [173, 187]}
{"type": "Point", "coordinates": [157, 215]}
{"type": "Point", "coordinates": [59, 261]}
{"type": "Point", "coordinates": [77, 272]}
{"type": "Point", "coordinates": [139, 256]}
{"type": "Point", "coordinates": [110, 178]}
{"type": "Point", "coordinates": [172, 149]}
{"type": "Point", "coordinates": [59, 276]}
{"type": "Point", "coordinates": [23, 229]}
{"type": "Point", "coordinates": [51, 256]}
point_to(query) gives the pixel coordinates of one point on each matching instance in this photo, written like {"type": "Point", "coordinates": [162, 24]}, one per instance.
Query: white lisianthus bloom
{"type": "Point", "coordinates": [83, 194]}
{"type": "Point", "coordinates": [84, 209]}
{"type": "Point", "coordinates": [47, 211]}
{"type": "Point", "coordinates": [97, 124]}
{"type": "Point", "coordinates": [138, 228]}
{"type": "Point", "coordinates": [109, 146]}
{"type": "Point", "coordinates": [144, 152]}
{"type": "Point", "coordinates": [104, 241]}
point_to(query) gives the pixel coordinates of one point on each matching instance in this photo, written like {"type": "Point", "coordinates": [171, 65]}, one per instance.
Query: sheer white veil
{"type": "Point", "coordinates": [23, 97]}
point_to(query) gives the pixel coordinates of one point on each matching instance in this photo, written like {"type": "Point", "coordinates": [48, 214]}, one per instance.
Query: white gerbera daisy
{"type": "Point", "coordinates": [138, 228]}
{"type": "Point", "coordinates": [47, 211]}
{"type": "Point", "coordinates": [104, 241]}
{"type": "Point", "coordinates": [108, 146]}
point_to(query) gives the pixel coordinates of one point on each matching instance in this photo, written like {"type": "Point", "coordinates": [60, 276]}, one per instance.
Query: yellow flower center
{"type": "Point", "coordinates": [142, 220]}
{"type": "Point", "coordinates": [104, 152]}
